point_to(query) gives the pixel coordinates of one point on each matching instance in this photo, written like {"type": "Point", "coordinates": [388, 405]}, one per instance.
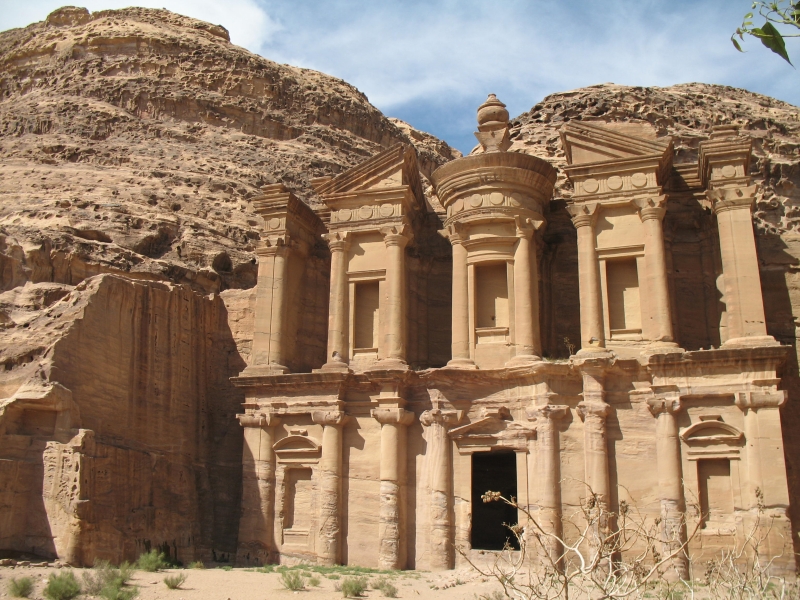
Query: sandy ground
{"type": "Point", "coordinates": [248, 584]}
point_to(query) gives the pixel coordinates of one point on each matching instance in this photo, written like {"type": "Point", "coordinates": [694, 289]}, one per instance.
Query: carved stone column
{"type": "Point", "coordinates": [746, 323]}
{"type": "Point", "coordinates": [592, 326]}
{"type": "Point", "coordinates": [330, 466]}
{"type": "Point", "coordinates": [256, 526]}
{"type": "Point", "coordinates": [270, 309]}
{"type": "Point", "coordinates": [396, 238]}
{"type": "Point", "coordinates": [393, 480]}
{"type": "Point", "coordinates": [460, 301]}
{"type": "Point", "coordinates": [337, 311]}
{"type": "Point", "coordinates": [670, 480]}
{"type": "Point", "coordinates": [594, 410]}
{"type": "Point", "coordinates": [526, 295]}
{"type": "Point", "coordinates": [439, 456]}
{"type": "Point", "coordinates": [652, 211]}
{"type": "Point", "coordinates": [547, 475]}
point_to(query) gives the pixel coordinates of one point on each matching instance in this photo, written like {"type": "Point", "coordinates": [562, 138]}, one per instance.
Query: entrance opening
{"type": "Point", "coordinates": [716, 495]}
{"type": "Point", "coordinates": [298, 499]}
{"type": "Point", "coordinates": [624, 310]}
{"type": "Point", "coordinates": [367, 311]}
{"type": "Point", "coordinates": [496, 472]}
{"type": "Point", "coordinates": [491, 295]}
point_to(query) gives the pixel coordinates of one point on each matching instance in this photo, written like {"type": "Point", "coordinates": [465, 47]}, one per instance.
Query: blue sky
{"type": "Point", "coordinates": [432, 62]}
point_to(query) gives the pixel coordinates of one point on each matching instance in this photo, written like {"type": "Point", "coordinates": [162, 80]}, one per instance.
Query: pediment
{"type": "Point", "coordinates": [494, 429]}
{"type": "Point", "coordinates": [391, 169]}
{"type": "Point", "coordinates": [297, 448]}
{"type": "Point", "coordinates": [586, 143]}
{"type": "Point", "coordinates": [711, 432]}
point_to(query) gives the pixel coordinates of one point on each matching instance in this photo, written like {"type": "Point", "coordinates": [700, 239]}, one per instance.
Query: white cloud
{"type": "Point", "coordinates": [423, 58]}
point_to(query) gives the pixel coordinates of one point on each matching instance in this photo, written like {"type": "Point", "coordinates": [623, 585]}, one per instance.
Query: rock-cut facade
{"type": "Point", "coordinates": [372, 430]}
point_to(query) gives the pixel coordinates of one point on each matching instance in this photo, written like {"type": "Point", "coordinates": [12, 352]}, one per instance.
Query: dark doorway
{"type": "Point", "coordinates": [496, 472]}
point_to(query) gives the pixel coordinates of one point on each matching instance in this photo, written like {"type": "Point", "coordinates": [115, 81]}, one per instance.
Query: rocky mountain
{"type": "Point", "coordinates": [131, 141]}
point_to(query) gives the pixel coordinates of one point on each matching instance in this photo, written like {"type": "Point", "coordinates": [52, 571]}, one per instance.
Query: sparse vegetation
{"type": "Point", "coordinates": [63, 586]}
{"type": "Point", "coordinates": [386, 587]}
{"type": "Point", "coordinates": [266, 569]}
{"type": "Point", "coordinates": [353, 587]}
{"type": "Point", "coordinates": [314, 581]}
{"type": "Point", "coordinates": [173, 582]}
{"type": "Point", "coordinates": [293, 580]}
{"type": "Point", "coordinates": [20, 588]}
{"type": "Point", "coordinates": [227, 568]}
{"type": "Point", "coordinates": [198, 564]}
{"type": "Point", "coordinates": [151, 561]}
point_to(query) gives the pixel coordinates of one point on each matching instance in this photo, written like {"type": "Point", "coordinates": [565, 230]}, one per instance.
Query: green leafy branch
{"type": "Point", "coordinates": [781, 13]}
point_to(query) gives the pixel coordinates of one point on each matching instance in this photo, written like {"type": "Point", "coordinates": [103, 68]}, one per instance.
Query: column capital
{"type": "Point", "coordinates": [392, 416]}
{"type": "Point", "coordinates": [337, 240]}
{"type": "Point", "coordinates": [396, 235]}
{"type": "Point", "coordinates": [329, 418]}
{"type": "Point", "coordinates": [732, 198]}
{"type": "Point", "coordinates": [258, 419]}
{"type": "Point", "coordinates": [445, 417]}
{"type": "Point", "coordinates": [551, 412]}
{"type": "Point", "coordinates": [760, 399]}
{"type": "Point", "coordinates": [455, 233]}
{"type": "Point", "coordinates": [525, 227]}
{"type": "Point", "coordinates": [653, 207]}
{"type": "Point", "coordinates": [584, 214]}
{"type": "Point", "coordinates": [276, 244]}
{"type": "Point", "coordinates": [669, 403]}
{"type": "Point", "coordinates": [594, 409]}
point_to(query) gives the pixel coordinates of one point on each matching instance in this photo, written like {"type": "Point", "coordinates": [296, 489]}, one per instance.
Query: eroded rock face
{"type": "Point", "coordinates": [131, 141]}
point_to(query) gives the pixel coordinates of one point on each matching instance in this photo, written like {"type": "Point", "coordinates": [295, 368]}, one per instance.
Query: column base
{"type": "Point", "coordinates": [751, 342]}
{"type": "Point", "coordinates": [389, 364]}
{"type": "Point", "coordinates": [523, 359]}
{"type": "Point", "coordinates": [662, 348]}
{"type": "Point", "coordinates": [335, 365]}
{"type": "Point", "coordinates": [264, 370]}
{"type": "Point", "coordinates": [593, 351]}
{"type": "Point", "coordinates": [461, 363]}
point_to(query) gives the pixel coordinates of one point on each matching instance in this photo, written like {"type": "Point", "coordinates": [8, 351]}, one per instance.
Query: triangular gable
{"type": "Point", "coordinates": [392, 168]}
{"type": "Point", "coordinates": [587, 143]}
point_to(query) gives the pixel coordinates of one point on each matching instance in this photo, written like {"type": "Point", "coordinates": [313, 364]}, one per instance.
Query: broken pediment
{"type": "Point", "coordinates": [586, 143]}
{"type": "Point", "coordinates": [711, 432]}
{"type": "Point", "coordinates": [394, 169]}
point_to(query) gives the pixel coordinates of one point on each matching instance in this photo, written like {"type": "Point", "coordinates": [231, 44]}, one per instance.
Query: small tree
{"type": "Point", "coordinates": [783, 13]}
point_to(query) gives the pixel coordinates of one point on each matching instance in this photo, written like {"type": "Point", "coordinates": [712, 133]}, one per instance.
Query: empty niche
{"type": "Point", "coordinates": [624, 310]}
{"type": "Point", "coordinates": [491, 295]}
{"type": "Point", "coordinates": [367, 299]}
{"type": "Point", "coordinates": [716, 494]}
{"type": "Point", "coordinates": [298, 499]}
{"type": "Point", "coordinates": [496, 472]}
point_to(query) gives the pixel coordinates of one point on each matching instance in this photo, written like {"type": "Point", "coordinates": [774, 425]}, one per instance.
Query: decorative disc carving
{"type": "Point", "coordinates": [590, 186]}
{"type": "Point", "coordinates": [639, 180]}
{"type": "Point", "coordinates": [615, 183]}
{"type": "Point", "coordinates": [274, 223]}
{"type": "Point", "coordinates": [458, 205]}
{"type": "Point", "coordinates": [365, 212]}
{"type": "Point", "coordinates": [516, 199]}
{"type": "Point", "coordinates": [387, 210]}
{"type": "Point", "coordinates": [345, 214]}
{"type": "Point", "coordinates": [496, 198]}
{"type": "Point", "coordinates": [728, 171]}
{"type": "Point", "coordinates": [475, 200]}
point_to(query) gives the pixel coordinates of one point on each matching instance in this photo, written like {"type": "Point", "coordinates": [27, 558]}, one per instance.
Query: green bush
{"type": "Point", "coordinates": [20, 588]}
{"type": "Point", "coordinates": [198, 564]}
{"type": "Point", "coordinates": [293, 580]}
{"type": "Point", "coordinates": [266, 569]}
{"type": "Point", "coordinates": [227, 568]}
{"type": "Point", "coordinates": [313, 581]}
{"type": "Point", "coordinates": [386, 587]}
{"type": "Point", "coordinates": [151, 561]}
{"type": "Point", "coordinates": [63, 586]}
{"type": "Point", "coordinates": [353, 587]}
{"type": "Point", "coordinates": [173, 582]}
